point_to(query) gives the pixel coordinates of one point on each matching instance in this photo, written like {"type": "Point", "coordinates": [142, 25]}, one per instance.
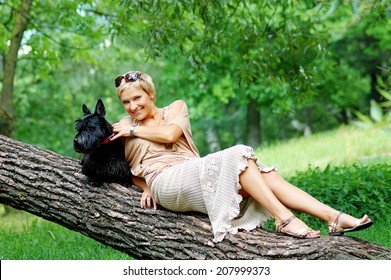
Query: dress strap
{"type": "Point", "coordinates": [165, 113]}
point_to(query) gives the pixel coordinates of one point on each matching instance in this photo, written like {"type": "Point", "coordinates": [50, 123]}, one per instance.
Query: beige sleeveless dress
{"type": "Point", "coordinates": [182, 181]}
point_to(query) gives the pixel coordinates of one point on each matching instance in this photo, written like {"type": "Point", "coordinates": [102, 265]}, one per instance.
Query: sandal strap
{"type": "Point", "coordinates": [334, 225]}
{"type": "Point", "coordinates": [285, 223]}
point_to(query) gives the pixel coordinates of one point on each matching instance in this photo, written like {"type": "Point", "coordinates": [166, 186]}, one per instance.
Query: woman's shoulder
{"type": "Point", "coordinates": [175, 109]}
{"type": "Point", "coordinates": [177, 106]}
{"type": "Point", "coordinates": [180, 103]}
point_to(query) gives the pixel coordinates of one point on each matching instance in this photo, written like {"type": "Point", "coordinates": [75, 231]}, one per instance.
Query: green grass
{"type": "Point", "coordinates": [26, 237]}
{"type": "Point", "coordinates": [338, 167]}
{"type": "Point", "coordinates": [346, 145]}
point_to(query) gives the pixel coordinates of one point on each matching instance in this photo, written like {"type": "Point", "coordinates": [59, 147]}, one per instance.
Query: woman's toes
{"type": "Point", "coordinates": [314, 233]}
{"type": "Point", "coordinates": [364, 219]}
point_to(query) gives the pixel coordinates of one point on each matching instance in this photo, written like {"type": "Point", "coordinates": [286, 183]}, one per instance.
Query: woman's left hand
{"type": "Point", "coordinates": [147, 201]}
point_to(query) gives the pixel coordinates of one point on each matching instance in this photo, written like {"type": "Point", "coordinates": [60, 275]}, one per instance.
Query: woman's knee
{"type": "Point", "coordinates": [272, 178]}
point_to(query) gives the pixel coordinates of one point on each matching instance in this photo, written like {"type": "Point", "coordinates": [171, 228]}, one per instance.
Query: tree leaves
{"type": "Point", "coordinates": [287, 57]}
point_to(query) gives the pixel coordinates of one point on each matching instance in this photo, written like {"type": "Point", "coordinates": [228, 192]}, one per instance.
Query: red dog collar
{"type": "Point", "coordinates": [108, 139]}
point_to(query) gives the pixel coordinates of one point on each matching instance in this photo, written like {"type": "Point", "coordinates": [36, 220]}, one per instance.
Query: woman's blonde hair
{"type": "Point", "coordinates": [143, 82]}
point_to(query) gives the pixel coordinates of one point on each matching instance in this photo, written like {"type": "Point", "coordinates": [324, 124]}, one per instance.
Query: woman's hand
{"type": "Point", "coordinates": [120, 129]}
{"type": "Point", "coordinates": [147, 201]}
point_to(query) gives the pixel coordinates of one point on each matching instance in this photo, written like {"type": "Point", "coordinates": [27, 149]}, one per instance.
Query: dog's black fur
{"type": "Point", "coordinates": [101, 162]}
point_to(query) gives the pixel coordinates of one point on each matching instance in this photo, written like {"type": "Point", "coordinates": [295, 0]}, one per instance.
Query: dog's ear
{"type": "Point", "coordinates": [100, 108]}
{"type": "Point", "coordinates": [86, 111]}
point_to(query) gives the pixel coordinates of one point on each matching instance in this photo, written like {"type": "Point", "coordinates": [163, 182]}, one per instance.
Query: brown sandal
{"type": "Point", "coordinates": [336, 230]}
{"type": "Point", "coordinates": [304, 234]}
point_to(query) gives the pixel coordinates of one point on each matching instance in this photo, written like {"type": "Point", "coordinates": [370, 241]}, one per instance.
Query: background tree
{"type": "Point", "coordinates": [9, 67]}
{"type": "Point", "coordinates": [10, 58]}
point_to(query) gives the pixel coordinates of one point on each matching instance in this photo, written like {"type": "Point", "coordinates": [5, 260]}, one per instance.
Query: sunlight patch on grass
{"type": "Point", "coordinates": [18, 221]}
{"type": "Point", "coordinates": [345, 145]}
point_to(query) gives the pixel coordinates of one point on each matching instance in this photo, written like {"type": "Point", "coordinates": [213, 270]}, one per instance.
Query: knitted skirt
{"type": "Point", "coordinates": [211, 185]}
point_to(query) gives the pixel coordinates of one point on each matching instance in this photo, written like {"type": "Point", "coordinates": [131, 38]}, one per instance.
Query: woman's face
{"type": "Point", "coordinates": [137, 103]}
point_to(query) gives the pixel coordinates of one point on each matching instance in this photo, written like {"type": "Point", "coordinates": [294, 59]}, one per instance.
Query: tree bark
{"type": "Point", "coordinates": [212, 139]}
{"type": "Point", "coordinates": [253, 124]}
{"type": "Point", "coordinates": [51, 186]}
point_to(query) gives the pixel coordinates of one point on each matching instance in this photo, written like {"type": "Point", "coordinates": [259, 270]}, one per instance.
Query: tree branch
{"type": "Point", "coordinates": [51, 186]}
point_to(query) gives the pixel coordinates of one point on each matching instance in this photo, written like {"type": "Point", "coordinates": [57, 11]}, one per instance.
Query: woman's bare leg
{"type": "Point", "coordinates": [253, 183]}
{"type": "Point", "coordinates": [296, 199]}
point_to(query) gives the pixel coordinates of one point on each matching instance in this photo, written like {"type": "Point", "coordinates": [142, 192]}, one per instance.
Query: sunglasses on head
{"type": "Point", "coordinates": [129, 77]}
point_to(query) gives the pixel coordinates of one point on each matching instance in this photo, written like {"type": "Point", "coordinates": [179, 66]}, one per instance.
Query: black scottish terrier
{"type": "Point", "coordinates": [103, 160]}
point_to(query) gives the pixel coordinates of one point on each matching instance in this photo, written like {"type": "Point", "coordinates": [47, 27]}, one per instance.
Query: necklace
{"type": "Point", "coordinates": [156, 120]}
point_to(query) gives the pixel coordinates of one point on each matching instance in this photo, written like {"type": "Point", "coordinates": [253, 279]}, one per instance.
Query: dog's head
{"type": "Point", "coordinates": [92, 129]}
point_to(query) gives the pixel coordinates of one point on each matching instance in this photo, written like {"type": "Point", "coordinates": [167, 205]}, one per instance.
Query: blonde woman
{"type": "Point", "coordinates": [232, 187]}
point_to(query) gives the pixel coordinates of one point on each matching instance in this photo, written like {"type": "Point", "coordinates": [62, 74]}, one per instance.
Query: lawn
{"type": "Point", "coordinates": [353, 162]}
{"type": "Point", "coordinates": [27, 237]}
{"type": "Point", "coordinates": [344, 146]}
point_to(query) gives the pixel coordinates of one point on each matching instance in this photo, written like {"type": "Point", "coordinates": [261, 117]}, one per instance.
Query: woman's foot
{"type": "Point", "coordinates": [296, 228]}
{"type": "Point", "coordinates": [346, 223]}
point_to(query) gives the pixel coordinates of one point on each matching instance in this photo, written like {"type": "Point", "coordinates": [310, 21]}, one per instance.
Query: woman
{"type": "Point", "coordinates": [231, 186]}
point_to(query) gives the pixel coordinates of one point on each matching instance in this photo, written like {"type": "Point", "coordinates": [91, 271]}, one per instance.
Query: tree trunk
{"type": "Point", "coordinates": [253, 124]}
{"type": "Point", "coordinates": [307, 122]}
{"type": "Point", "coordinates": [51, 186]}
{"type": "Point", "coordinates": [6, 102]}
{"type": "Point", "coordinates": [212, 139]}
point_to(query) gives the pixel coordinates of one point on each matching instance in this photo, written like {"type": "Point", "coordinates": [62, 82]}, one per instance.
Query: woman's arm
{"type": "Point", "coordinates": [139, 182]}
{"type": "Point", "coordinates": [146, 201]}
{"type": "Point", "coordinates": [160, 134]}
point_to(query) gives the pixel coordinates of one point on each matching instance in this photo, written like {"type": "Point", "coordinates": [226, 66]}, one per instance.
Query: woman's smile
{"type": "Point", "coordinates": [137, 112]}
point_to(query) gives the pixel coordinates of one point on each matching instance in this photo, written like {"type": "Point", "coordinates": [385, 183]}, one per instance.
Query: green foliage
{"type": "Point", "coordinates": [379, 112]}
{"type": "Point", "coordinates": [288, 57]}
{"type": "Point", "coordinates": [306, 61]}
{"type": "Point", "coordinates": [258, 42]}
